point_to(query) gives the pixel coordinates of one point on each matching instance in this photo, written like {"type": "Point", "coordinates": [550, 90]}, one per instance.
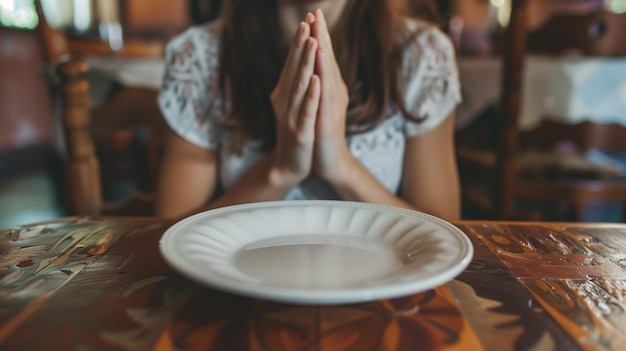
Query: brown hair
{"type": "Point", "coordinates": [366, 46]}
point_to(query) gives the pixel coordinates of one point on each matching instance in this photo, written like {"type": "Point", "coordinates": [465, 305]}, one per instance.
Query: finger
{"type": "Point", "coordinates": [293, 57]}
{"type": "Point", "coordinates": [322, 69]}
{"type": "Point", "coordinates": [305, 71]}
{"type": "Point", "coordinates": [332, 67]}
{"type": "Point", "coordinates": [322, 66]}
{"type": "Point", "coordinates": [310, 105]}
{"type": "Point", "coordinates": [320, 31]}
{"type": "Point", "coordinates": [309, 18]}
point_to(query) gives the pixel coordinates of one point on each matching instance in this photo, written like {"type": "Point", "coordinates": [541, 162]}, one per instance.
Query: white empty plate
{"type": "Point", "coordinates": [317, 252]}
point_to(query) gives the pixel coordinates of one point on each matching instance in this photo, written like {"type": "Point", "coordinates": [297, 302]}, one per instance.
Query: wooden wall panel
{"type": "Point", "coordinates": [25, 108]}
{"type": "Point", "coordinates": [149, 18]}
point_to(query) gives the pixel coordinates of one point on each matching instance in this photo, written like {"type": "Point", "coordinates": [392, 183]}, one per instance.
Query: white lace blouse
{"type": "Point", "coordinates": [191, 104]}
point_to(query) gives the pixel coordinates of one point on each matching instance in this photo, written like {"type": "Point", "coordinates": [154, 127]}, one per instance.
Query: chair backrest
{"type": "Point", "coordinates": [513, 56]}
{"type": "Point", "coordinates": [515, 47]}
{"type": "Point", "coordinates": [82, 173]}
{"type": "Point", "coordinates": [129, 111]}
{"type": "Point", "coordinates": [597, 33]}
{"type": "Point", "coordinates": [54, 41]}
{"type": "Point", "coordinates": [84, 176]}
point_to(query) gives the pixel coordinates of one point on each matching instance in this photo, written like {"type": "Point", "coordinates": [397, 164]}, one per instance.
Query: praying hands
{"type": "Point", "coordinates": [310, 103]}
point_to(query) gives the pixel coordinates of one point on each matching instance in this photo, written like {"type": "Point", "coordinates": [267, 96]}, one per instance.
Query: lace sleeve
{"type": "Point", "coordinates": [189, 98]}
{"type": "Point", "coordinates": [432, 83]}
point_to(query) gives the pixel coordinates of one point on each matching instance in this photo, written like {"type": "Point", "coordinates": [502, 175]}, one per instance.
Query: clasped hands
{"type": "Point", "coordinates": [310, 102]}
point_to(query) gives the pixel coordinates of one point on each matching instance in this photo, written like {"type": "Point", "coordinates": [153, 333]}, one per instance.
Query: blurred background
{"type": "Point", "coordinates": [125, 39]}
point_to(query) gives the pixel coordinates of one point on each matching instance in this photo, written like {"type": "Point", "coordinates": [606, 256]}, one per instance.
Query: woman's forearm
{"type": "Point", "coordinates": [358, 184]}
{"type": "Point", "coordinates": [263, 182]}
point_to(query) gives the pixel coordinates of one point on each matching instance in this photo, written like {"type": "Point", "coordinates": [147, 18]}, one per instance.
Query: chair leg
{"type": "Point", "coordinates": [578, 209]}
{"type": "Point", "coordinates": [563, 210]}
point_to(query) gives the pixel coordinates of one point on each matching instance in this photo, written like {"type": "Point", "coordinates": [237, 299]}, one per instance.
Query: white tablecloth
{"type": "Point", "coordinates": [569, 90]}
{"type": "Point", "coordinates": [107, 72]}
{"type": "Point", "coordinates": [146, 72]}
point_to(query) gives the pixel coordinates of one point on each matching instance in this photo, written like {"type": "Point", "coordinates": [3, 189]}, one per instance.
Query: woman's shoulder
{"type": "Point", "coordinates": [422, 35]}
{"type": "Point", "coordinates": [201, 34]}
{"type": "Point", "coordinates": [431, 85]}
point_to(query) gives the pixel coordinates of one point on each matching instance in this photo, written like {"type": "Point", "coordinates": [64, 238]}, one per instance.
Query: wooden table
{"type": "Point", "coordinates": [101, 284]}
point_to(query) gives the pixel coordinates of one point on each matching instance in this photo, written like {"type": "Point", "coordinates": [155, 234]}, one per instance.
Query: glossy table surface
{"type": "Point", "coordinates": [102, 284]}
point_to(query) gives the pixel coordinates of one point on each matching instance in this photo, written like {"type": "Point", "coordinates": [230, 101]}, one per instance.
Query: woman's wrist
{"type": "Point", "coordinates": [281, 177]}
{"type": "Point", "coordinates": [344, 173]}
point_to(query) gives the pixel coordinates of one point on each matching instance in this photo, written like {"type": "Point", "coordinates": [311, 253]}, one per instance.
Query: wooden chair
{"type": "Point", "coordinates": [128, 123]}
{"type": "Point", "coordinates": [532, 175]}
{"type": "Point", "coordinates": [598, 33]}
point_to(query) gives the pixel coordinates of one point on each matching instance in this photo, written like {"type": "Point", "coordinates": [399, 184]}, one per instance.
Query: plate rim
{"type": "Point", "coordinates": [317, 296]}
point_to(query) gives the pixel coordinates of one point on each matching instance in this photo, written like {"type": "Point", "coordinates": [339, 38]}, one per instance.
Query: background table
{"type": "Point", "coordinates": [131, 71]}
{"type": "Point", "coordinates": [565, 89]}
{"type": "Point", "coordinates": [101, 284]}
{"type": "Point", "coordinates": [108, 73]}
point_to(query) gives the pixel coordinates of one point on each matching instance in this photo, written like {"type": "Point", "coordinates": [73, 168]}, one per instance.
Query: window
{"type": "Point", "coordinates": [617, 6]}
{"type": "Point", "coordinates": [19, 14]}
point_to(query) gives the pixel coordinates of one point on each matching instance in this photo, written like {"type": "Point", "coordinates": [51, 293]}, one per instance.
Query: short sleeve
{"type": "Point", "coordinates": [432, 81]}
{"type": "Point", "coordinates": [189, 98]}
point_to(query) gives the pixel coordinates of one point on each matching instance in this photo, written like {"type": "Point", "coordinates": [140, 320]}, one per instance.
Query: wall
{"type": "Point", "coordinates": [144, 18]}
{"type": "Point", "coordinates": [470, 26]}
{"type": "Point", "coordinates": [25, 109]}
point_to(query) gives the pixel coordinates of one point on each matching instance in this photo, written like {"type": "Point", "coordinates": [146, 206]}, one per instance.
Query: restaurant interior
{"type": "Point", "coordinates": [539, 133]}
{"type": "Point", "coordinates": [537, 261]}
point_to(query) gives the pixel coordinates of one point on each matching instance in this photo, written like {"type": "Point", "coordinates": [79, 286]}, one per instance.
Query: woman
{"type": "Point", "coordinates": [296, 99]}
